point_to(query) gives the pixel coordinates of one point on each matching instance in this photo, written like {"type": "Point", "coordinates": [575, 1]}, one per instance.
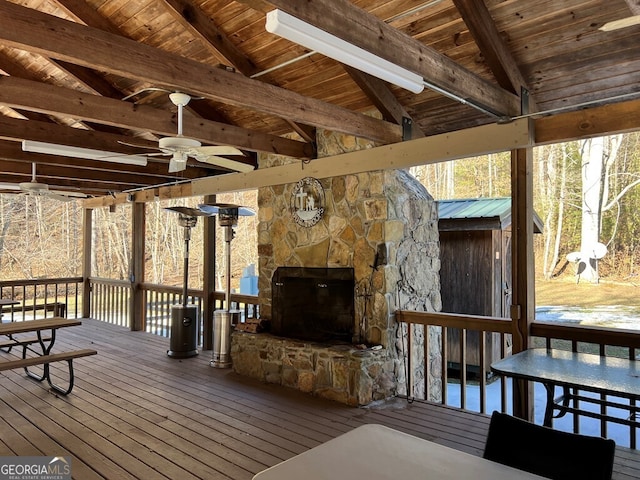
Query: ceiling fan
{"type": "Point", "coordinates": [35, 188]}
{"type": "Point", "coordinates": [181, 148]}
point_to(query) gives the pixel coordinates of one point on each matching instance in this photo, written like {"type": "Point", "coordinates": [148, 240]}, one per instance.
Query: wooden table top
{"type": "Point", "coordinates": [10, 328]}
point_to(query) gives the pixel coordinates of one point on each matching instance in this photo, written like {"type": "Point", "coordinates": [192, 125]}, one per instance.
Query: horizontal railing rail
{"type": "Point", "coordinates": [42, 298]}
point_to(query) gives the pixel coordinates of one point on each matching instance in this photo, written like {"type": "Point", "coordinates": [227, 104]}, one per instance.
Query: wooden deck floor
{"type": "Point", "coordinates": [137, 414]}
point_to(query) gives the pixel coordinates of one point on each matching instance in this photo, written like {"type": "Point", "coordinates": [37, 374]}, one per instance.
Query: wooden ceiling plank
{"type": "Point", "coordinates": [41, 97]}
{"type": "Point", "coordinates": [354, 25]}
{"type": "Point", "coordinates": [28, 29]}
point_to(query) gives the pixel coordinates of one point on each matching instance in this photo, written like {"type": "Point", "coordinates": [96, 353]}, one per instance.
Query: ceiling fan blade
{"type": "Point", "coordinates": [67, 193]}
{"type": "Point", "coordinates": [217, 150]}
{"type": "Point", "coordinates": [622, 23]}
{"type": "Point", "coordinates": [136, 145]}
{"type": "Point", "coordinates": [61, 198]}
{"type": "Point", "coordinates": [9, 186]}
{"type": "Point", "coordinates": [225, 163]}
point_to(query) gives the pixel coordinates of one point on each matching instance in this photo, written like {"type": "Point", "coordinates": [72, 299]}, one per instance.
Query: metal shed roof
{"type": "Point", "coordinates": [463, 214]}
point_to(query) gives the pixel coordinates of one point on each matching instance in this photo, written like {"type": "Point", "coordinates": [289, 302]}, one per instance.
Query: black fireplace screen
{"type": "Point", "coordinates": [314, 304]}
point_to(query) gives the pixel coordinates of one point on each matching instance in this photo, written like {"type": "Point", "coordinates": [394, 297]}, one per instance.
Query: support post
{"type": "Point", "coordinates": [137, 316]}
{"type": "Point", "coordinates": [523, 305]}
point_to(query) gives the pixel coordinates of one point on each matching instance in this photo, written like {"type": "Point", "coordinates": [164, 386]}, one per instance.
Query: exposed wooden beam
{"type": "Point", "coordinates": [496, 53]}
{"type": "Point", "coordinates": [40, 97]}
{"type": "Point", "coordinates": [31, 30]}
{"type": "Point", "coordinates": [592, 122]}
{"type": "Point", "coordinates": [354, 25]}
{"type": "Point", "coordinates": [438, 148]}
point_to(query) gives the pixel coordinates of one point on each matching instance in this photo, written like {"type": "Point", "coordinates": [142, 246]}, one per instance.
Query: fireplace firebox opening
{"type": "Point", "coordinates": [314, 304]}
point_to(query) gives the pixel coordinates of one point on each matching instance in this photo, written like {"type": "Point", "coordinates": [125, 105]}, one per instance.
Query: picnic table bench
{"type": "Point", "coordinates": [41, 355]}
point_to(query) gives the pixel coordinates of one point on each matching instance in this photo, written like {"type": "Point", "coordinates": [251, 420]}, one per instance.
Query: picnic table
{"type": "Point", "coordinates": [574, 372]}
{"type": "Point", "coordinates": [36, 350]}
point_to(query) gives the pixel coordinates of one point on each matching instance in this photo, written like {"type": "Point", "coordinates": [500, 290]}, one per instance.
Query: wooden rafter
{"type": "Point", "coordinates": [494, 49]}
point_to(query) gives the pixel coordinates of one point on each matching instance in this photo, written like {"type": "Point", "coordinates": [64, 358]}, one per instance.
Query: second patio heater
{"type": "Point", "coordinates": [184, 318]}
{"type": "Point", "coordinates": [225, 319]}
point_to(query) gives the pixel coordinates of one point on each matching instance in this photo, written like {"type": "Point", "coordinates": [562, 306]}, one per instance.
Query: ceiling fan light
{"type": "Point", "coordinates": [295, 30]}
{"type": "Point", "coordinates": [86, 153]}
{"type": "Point", "coordinates": [178, 162]}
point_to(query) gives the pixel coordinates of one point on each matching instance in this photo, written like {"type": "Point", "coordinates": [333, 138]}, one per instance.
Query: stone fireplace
{"type": "Point", "coordinates": [375, 250]}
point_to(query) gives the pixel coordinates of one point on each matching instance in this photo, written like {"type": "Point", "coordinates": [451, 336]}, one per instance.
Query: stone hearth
{"type": "Point", "coordinates": [381, 224]}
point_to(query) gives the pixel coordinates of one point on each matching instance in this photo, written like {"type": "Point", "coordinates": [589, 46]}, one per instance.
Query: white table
{"type": "Point", "coordinates": [375, 452]}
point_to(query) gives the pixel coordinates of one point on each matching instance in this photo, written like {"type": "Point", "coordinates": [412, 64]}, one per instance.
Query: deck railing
{"type": "Point", "coordinates": [111, 303]}
{"type": "Point", "coordinates": [462, 340]}
{"type": "Point", "coordinates": [42, 298]}
{"type": "Point", "coordinates": [485, 392]}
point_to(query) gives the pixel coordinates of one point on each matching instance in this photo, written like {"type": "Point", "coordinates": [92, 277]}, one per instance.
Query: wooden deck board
{"type": "Point", "coordinates": [136, 413]}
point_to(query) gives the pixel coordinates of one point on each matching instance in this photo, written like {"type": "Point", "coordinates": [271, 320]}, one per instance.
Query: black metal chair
{"type": "Point", "coordinates": [546, 452]}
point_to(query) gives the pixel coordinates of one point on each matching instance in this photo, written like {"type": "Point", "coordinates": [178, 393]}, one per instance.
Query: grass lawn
{"type": "Point", "coordinates": [565, 291]}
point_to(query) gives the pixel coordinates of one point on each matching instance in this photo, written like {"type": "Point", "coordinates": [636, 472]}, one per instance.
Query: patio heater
{"type": "Point", "coordinates": [225, 319]}
{"type": "Point", "coordinates": [184, 318]}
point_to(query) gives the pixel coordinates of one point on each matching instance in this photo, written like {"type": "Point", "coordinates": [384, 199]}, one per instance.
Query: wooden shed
{"type": "Point", "coordinates": [475, 252]}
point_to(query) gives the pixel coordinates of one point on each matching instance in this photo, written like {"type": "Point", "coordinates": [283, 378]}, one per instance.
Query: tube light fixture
{"type": "Point", "coordinates": [284, 25]}
{"type": "Point", "coordinates": [77, 152]}
{"type": "Point", "coordinates": [622, 23]}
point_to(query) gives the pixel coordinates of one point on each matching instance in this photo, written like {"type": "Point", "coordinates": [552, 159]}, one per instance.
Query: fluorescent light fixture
{"type": "Point", "coordinates": [622, 23]}
{"type": "Point", "coordinates": [68, 151]}
{"type": "Point", "coordinates": [294, 29]}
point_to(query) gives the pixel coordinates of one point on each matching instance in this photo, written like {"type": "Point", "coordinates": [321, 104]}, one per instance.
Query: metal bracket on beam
{"type": "Point", "coordinates": [407, 125]}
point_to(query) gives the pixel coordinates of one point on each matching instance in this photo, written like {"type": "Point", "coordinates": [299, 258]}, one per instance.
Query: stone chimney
{"type": "Point", "coordinates": [383, 224]}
